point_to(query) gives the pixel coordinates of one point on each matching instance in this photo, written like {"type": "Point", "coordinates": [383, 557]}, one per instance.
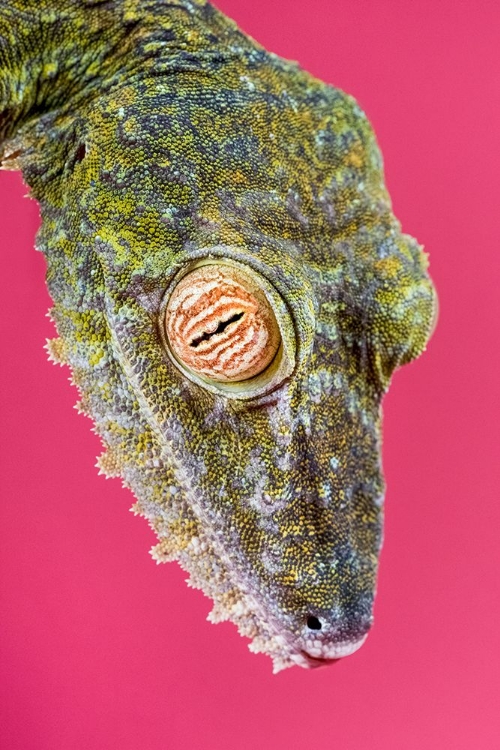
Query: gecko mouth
{"type": "Point", "coordinates": [314, 662]}
{"type": "Point", "coordinates": [329, 653]}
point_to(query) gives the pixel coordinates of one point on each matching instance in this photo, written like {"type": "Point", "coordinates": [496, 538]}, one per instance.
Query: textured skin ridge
{"type": "Point", "coordinates": [156, 136]}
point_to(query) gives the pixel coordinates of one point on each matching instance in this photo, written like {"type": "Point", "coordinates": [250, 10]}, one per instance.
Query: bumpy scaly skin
{"type": "Point", "coordinates": [155, 134]}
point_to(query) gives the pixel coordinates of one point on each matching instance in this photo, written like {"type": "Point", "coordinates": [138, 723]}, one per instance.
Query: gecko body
{"type": "Point", "coordinates": [184, 172]}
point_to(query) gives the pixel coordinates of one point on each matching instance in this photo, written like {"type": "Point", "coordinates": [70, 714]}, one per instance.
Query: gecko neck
{"type": "Point", "coordinates": [53, 53]}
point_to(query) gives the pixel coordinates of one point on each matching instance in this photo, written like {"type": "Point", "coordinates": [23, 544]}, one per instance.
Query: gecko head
{"type": "Point", "coordinates": [233, 293]}
{"type": "Point", "coordinates": [258, 295]}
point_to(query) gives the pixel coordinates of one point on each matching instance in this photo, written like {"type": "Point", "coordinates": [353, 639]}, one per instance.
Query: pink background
{"type": "Point", "coordinates": [102, 649]}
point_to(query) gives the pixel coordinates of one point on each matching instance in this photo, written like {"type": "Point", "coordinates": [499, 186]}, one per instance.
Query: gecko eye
{"type": "Point", "coordinates": [220, 325]}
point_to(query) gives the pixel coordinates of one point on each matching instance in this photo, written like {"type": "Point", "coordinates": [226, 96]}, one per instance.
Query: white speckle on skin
{"type": "Point", "coordinates": [320, 384]}
{"type": "Point", "coordinates": [326, 492]}
{"type": "Point", "coordinates": [249, 84]}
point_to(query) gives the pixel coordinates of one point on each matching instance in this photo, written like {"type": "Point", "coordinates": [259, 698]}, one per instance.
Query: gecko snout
{"type": "Point", "coordinates": [325, 640]}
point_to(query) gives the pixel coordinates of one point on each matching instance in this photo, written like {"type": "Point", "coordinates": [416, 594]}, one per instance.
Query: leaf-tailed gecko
{"type": "Point", "coordinates": [232, 293]}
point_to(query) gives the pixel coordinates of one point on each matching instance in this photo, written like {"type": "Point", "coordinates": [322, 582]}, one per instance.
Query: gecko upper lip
{"type": "Point", "coordinates": [330, 653]}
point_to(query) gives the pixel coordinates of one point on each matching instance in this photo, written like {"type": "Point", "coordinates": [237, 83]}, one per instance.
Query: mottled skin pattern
{"type": "Point", "coordinates": [155, 134]}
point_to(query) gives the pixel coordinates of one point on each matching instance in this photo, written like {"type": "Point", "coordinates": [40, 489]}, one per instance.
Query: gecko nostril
{"type": "Point", "coordinates": [313, 623]}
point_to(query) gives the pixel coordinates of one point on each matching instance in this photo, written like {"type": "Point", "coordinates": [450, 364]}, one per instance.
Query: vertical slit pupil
{"type": "Point", "coordinates": [313, 623]}
{"type": "Point", "coordinates": [220, 328]}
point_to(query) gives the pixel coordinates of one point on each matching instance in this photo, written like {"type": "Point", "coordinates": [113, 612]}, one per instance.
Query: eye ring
{"type": "Point", "coordinates": [266, 372]}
